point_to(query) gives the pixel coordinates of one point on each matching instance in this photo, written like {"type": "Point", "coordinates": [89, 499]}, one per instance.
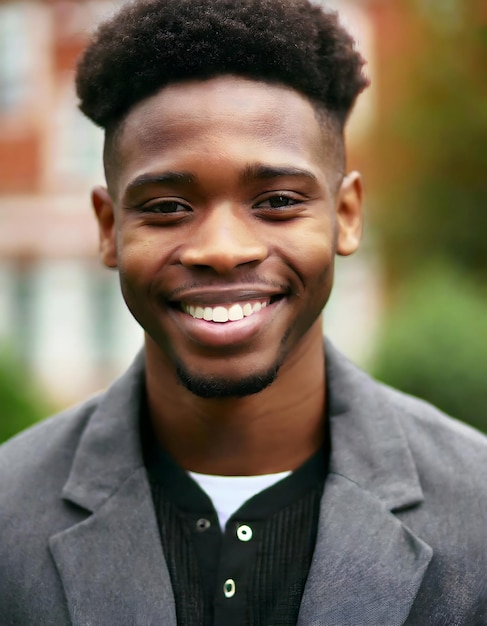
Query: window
{"type": "Point", "coordinates": [15, 56]}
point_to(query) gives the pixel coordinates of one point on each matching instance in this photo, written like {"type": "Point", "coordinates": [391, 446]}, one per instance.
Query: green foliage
{"type": "Point", "coordinates": [434, 344]}
{"type": "Point", "coordinates": [21, 404]}
{"type": "Point", "coordinates": [429, 207]}
{"type": "Point", "coordinates": [431, 196]}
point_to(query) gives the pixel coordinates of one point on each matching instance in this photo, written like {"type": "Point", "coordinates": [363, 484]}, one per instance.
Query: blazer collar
{"type": "Point", "coordinates": [368, 444]}
{"type": "Point", "coordinates": [110, 448]}
{"type": "Point", "coordinates": [111, 564]}
{"type": "Point", "coordinates": [367, 566]}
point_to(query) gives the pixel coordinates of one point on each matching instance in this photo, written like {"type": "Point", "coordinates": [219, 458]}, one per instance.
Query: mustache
{"type": "Point", "coordinates": [249, 283]}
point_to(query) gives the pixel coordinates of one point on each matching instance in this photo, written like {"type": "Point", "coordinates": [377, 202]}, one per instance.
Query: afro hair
{"type": "Point", "coordinates": [151, 43]}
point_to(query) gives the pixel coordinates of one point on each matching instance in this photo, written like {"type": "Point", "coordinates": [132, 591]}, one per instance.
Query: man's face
{"type": "Point", "coordinates": [225, 215]}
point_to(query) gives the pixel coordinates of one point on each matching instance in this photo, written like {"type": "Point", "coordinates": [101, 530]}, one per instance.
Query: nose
{"type": "Point", "coordinates": [223, 240]}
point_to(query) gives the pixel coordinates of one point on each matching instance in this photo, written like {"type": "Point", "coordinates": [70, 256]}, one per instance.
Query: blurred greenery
{"type": "Point", "coordinates": [431, 143]}
{"type": "Point", "coordinates": [430, 210]}
{"type": "Point", "coordinates": [434, 344]}
{"type": "Point", "coordinates": [21, 402]}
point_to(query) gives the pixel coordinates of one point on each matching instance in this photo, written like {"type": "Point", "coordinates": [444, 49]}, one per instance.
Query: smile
{"type": "Point", "coordinates": [222, 313]}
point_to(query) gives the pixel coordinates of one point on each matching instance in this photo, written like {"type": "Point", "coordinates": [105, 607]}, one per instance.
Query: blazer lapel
{"type": "Point", "coordinates": [111, 564]}
{"type": "Point", "coordinates": [368, 566]}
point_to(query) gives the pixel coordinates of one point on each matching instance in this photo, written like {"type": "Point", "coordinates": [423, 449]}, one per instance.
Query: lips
{"type": "Point", "coordinates": [225, 316]}
{"type": "Point", "coordinates": [223, 313]}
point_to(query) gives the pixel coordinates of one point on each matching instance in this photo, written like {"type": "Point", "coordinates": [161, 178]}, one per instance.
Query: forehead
{"type": "Point", "coordinates": [227, 115]}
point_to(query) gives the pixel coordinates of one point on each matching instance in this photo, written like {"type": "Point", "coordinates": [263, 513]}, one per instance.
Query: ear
{"type": "Point", "coordinates": [104, 211]}
{"type": "Point", "coordinates": [349, 214]}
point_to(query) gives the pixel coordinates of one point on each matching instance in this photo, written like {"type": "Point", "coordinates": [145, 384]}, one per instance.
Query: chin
{"type": "Point", "coordinates": [225, 387]}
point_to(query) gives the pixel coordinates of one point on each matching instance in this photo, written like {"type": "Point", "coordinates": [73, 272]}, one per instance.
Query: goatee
{"type": "Point", "coordinates": [219, 387]}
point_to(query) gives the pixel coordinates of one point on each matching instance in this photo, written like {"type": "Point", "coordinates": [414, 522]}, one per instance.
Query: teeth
{"type": "Point", "coordinates": [208, 315]}
{"type": "Point", "coordinates": [235, 313]}
{"type": "Point", "coordinates": [221, 314]}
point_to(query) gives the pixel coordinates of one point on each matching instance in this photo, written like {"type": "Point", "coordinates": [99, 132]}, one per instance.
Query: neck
{"type": "Point", "coordinates": [272, 431]}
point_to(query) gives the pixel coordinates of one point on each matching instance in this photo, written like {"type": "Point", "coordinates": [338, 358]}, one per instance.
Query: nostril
{"type": "Point", "coordinates": [222, 257]}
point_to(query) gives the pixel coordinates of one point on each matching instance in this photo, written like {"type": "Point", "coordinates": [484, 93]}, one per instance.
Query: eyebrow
{"type": "Point", "coordinates": [252, 172]}
{"type": "Point", "coordinates": [266, 172]}
{"type": "Point", "coordinates": [164, 178]}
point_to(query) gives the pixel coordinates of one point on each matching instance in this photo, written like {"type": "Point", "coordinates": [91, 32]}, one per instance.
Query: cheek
{"type": "Point", "coordinates": [312, 254]}
{"type": "Point", "coordinates": [318, 255]}
{"type": "Point", "coordinates": [319, 277]}
{"type": "Point", "coordinates": [141, 254]}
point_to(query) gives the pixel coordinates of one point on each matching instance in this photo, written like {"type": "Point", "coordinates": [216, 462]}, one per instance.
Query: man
{"type": "Point", "coordinates": [241, 472]}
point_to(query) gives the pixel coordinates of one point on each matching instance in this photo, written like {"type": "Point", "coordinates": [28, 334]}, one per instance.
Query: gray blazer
{"type": "Point", "coordinates": [402, 532]}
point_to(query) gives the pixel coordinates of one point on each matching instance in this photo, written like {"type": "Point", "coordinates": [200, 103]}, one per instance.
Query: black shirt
{"type": "Point", "coordinates": [252, 574]}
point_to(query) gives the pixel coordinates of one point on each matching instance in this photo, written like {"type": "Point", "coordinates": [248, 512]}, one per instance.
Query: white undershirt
{"type": "Point", "coordinates": [228, 493]}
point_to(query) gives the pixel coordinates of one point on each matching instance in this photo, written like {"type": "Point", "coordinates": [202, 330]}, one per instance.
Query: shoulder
{"type": "Point", "coordinates": [450, 459]}
{"type": "Point", "coordinates": [39, 459]}
{"type": "Point", "coordinates": [394, 431]}
{"type": "Point", "coordinates": [34, 467]}
{"type": "Point", "coordinates": [432, 435]}
{"type": "Point", "coordinates": [446, 443]}
{"type": "Point", "coordinates": [429, 469]}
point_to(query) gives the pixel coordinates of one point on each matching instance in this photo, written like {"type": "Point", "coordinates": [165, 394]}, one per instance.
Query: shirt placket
{"type": "Point", "coordinates": [237, 556]}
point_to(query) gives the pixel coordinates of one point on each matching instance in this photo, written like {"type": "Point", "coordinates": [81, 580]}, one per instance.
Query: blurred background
{"type": "Point", "coordinates": [411, 307]}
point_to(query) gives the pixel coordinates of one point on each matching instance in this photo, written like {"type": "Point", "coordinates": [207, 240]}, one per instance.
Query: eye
{"type": "Point", "coordinates": [277, 201]}
{"type": "Point", "coordinates": [165, 207]}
